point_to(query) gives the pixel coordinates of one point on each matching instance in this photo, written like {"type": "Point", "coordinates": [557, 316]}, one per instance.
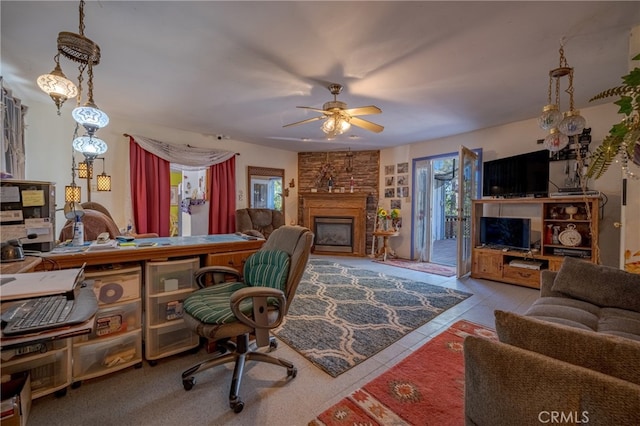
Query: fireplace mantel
{"type": "Point", "coordinates": [337, 204]}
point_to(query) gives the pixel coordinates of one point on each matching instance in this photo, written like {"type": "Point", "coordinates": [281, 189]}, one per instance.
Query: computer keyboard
{"type": "Point", "coordinates": [37, 314]}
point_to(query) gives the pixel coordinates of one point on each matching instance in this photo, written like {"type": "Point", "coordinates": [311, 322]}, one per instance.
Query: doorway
{"type": "Point", "coordinates": [436, 205]}
{"type": "Point", "coordinates": [439, 213]}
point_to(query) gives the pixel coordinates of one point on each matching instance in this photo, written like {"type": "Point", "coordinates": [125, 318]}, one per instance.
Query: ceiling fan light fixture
{"type": "Point", "coordinates": [335, 125]}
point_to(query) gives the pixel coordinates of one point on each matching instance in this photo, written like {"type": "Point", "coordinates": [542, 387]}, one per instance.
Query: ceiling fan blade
{"type": "Point", "coordinates": [308, 120]}
{"type": "Point", "coordinates": [376, 128]}
{"type": "Point", "coordinates": [365, 110]}
{"type": "Point", "coordinates": [321, 111]}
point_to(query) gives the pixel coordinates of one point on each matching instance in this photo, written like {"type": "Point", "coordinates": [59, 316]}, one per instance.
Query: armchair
{"type": "Point", "coordinates": [221, 310]}
{"type": "Point", "coordinates": [258, 222]}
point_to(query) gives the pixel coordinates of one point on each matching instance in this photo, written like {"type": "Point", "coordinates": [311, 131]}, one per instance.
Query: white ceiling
{"type": "Point", "coordinates": [240, 68]}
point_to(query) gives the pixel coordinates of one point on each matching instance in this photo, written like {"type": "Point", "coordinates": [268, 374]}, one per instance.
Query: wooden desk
{"type": "Point", "coordinates": [167, 247]}
{"type": "Point", "coordinates": [27, 265]}
{"type": "Point", "coordinates": [384, 250]}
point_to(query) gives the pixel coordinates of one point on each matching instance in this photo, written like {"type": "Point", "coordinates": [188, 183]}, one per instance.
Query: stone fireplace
{"type": "Point", "coordinates": [338, 221]}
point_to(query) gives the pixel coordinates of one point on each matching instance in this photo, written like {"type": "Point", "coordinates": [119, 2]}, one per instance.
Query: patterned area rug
{"type": "Point", "coordinates": [431, 268]}
{"type": "Point", "coordinates": [341, 315]}
{"type": "Point", "coordinates": [426, 388]}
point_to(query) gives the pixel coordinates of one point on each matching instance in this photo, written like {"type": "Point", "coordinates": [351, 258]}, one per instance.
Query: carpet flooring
{"type": "Point", "coordinates": [431, 268]}
{"type": "Point", "coordinates": [342, 315]}
{"type": "Point", "coordinates": [426, 388]}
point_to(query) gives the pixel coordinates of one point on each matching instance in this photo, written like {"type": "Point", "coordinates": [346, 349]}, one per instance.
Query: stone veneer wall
{"type": "Point", "coordinates": [314, 169]}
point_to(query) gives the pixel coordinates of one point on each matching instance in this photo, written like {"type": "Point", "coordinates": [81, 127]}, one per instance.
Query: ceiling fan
{"type": "Point", "coordinates": [338, 118]}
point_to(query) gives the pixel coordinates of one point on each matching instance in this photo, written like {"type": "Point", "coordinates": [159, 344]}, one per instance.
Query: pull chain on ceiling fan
{"type": "Point", "coordinates": [338, 118]}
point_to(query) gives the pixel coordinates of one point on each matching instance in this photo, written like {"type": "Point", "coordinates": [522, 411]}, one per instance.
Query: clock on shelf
{"type": "Point", "coordinates": [570, 236]}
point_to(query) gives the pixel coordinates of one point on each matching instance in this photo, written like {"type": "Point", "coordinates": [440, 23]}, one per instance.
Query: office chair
{"type": "Point", "coordinates": [252, 305]}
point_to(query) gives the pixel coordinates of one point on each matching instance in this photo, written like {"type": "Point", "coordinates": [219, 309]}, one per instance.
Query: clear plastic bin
{"type": "Point", "coordinates": [116, 286]}
{"type": "Point", "coordinates": [170, 276]}
{"type": "Point", "coordinates": [102, 357]}
{"type": "Point", "coordinates": [169, 339]}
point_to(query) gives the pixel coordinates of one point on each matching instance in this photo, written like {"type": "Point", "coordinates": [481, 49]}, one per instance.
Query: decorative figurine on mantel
{"type": "Point", "coordinates": [330, 184]}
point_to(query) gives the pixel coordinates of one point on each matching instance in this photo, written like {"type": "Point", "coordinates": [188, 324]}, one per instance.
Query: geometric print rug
{"type": "Point", "coordinates": [341, 315]}
{"type": "Point", "coordinates": [426, 388]}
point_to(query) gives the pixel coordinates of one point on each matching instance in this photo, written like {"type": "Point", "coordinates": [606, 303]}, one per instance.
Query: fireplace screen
{"type": "Point", "coordinates": [334, 234]}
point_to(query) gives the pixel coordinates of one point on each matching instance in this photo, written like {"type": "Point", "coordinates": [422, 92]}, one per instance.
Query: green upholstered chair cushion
{"type": "Point", "coordinates": [265, 268]}
{"type": "Point", "coordinates": [211, 305]}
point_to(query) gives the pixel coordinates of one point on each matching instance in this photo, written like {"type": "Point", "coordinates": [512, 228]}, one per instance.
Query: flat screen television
{"type": "Point", "coordinates": [505, 232]}
{"type": "Point", "coordinates": [518, 176]}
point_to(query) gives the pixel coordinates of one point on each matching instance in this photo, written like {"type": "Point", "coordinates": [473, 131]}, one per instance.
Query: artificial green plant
{"type": "Point", "coordinates": [624, 137]}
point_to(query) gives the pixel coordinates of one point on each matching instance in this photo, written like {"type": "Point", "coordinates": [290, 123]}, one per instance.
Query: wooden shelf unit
{"type": "Point", "coordinates": [494, 263]}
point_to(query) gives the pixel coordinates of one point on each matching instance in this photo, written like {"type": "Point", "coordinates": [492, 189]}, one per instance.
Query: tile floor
{"type": "Point", "coordinates": [154, 395]}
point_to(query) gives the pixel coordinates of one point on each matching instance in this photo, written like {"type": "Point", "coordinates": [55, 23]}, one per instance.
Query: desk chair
{"type": "Point", "coordinates": [250, 306]}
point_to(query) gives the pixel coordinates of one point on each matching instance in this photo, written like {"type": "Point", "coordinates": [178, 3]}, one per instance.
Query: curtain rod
{"type": "Point", "coordinates": [128, 136]}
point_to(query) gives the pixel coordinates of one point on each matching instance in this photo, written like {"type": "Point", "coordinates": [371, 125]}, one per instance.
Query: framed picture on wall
{"type": "Point", "coordinates": [174, 195]}
{"type": "Point", "coordinates": [389, 181]}
{"type": "Point", "coordinates": [403, 191]}
{"type": "Point", "coordinates": [402, 180]}
{"type": "Point", "coordinates": [389, 192]}
{"type": "Point", "coordinates": [389, 170]}
{"type": "Point", "coordinates": [403, 168]}
{"type": "Point", "coordinates": [396, 204]}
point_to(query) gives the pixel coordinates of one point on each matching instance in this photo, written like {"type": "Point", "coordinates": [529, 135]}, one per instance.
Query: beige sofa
{"type": "Point", "coordinates": [573, 358]}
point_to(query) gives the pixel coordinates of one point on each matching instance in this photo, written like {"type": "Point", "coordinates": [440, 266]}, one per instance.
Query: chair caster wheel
{"type": "Point", "coordinates": [273, 345]}
{"type": "Point", "coordinates": [237, 406]}
{"type": "Point", "coordinates": [188, 383]}
{"type": "Point", "coordinates": [292, 372]}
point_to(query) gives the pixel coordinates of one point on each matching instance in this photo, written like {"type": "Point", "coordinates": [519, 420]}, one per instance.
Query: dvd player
{"type": "Point", "coordinates": [575, 194]}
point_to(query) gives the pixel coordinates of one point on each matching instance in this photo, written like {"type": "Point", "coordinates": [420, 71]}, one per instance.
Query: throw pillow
{"type": "Point", "coordinates": [611, 355]}
{"type": "Point", "coordinates": [601, 285]}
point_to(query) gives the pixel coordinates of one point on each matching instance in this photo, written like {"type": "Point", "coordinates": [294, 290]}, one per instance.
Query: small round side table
{"type": "Point", "coordinates": [384, 250]}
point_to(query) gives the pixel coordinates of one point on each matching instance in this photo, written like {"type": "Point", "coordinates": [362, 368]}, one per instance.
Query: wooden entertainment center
{"type": "Point", "coordinates": [564, 231]}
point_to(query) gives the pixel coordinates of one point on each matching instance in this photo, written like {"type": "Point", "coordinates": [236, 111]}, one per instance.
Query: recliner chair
{"type": "Point", "coordinates": [252, 305]}
{"type": "Point", "coordinates": [258, 222]}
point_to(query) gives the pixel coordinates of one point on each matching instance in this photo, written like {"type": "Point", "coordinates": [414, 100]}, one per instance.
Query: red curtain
{"type": "Point", "coordinates": [150, 190]}
{"type": "Point", "coordinates": [222, 197]}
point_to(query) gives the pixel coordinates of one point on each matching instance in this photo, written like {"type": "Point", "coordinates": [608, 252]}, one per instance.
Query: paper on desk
{"type": "Point", "coordinates": [34, 284]}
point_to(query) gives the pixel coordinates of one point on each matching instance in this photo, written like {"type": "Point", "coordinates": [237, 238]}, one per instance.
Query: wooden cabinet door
{"type": "Point", "coordinates": [235, 259]}
{"type": "Point", "coordinates": [486, 265]}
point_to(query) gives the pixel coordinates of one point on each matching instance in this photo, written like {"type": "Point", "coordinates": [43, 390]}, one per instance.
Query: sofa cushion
{"type": "Point", "coordinates": [587, 316]}
{"type": "Point", "coordinates": [601, 285]}
{"type": "Point", "coordinates": [606, 354]}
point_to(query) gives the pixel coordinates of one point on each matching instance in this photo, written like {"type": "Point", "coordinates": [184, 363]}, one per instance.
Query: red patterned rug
{"type": "Point", "coordinates": [426, 388]}
{"type": "Point", "coordinates": [431, 268]}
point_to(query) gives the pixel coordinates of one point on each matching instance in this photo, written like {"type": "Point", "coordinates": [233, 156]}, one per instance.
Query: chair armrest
{"type": "Point", "coordinates": [261, 294]}
{"type": "Point", "coordinates": [220, 274]}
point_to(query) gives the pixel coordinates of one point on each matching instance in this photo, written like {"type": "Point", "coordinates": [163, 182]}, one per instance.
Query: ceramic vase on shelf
{"type": "Point", "coordinates": [571, 210]}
